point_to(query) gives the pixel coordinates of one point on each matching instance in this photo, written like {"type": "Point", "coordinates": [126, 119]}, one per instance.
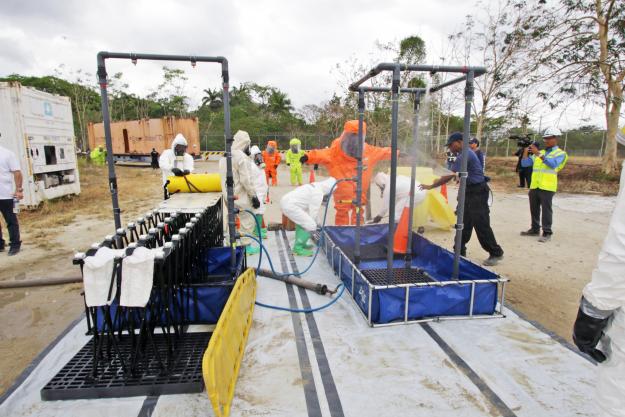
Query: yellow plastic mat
{"type": "Point", "coordinates": [222, 359]}
{"type": "Point", "coordinates": [194, 183]}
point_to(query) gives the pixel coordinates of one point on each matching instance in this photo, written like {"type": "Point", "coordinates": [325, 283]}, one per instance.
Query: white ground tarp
{"type": "Point", "coordinates": [331, 363]}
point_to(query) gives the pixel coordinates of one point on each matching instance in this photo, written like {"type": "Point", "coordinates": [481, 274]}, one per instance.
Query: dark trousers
{"type": "Point", "coordinates": [6, 208]}
{"type": "Point", "coordinates": [477, 216]}
{"type": "Point", "coordinates": [525, 177]}
{"type": "Point", "coordinates": [540, 200]}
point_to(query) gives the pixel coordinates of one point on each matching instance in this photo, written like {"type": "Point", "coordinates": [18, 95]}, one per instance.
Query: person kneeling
{"type": "Point", "coordinates": [302, 206]}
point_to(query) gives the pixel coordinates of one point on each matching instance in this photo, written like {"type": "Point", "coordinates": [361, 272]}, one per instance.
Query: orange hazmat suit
{"type": "Point", "coordinates": [272, 160]}
{"type": "Point", "coordinates": [339, 159]}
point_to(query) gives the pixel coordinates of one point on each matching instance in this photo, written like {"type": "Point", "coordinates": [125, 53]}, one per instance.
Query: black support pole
{"type": "Point", "coordinates": [413, 174]}
{"type": "Point", "coordinates": [106, 119]}
{"type": "Point", "coordinates": [468, 101]}
{"type": "Point", "coordinates": [358, 201]}
{"type": "Point", "coordinates": [134, 57]}
{"type": "Point", "coordinates": [393, 184]}
{"type": "Point", "coordinates": [232, 231]}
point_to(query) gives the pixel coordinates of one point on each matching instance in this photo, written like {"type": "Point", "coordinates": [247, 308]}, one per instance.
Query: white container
{"type": "Point", "coordinates": [38, 127]}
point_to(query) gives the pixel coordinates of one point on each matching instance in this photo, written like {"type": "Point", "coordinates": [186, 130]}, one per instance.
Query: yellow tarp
{"type": "Point", "coordinates": [434, 207]}
{"type": "Point", "coordinates": [194, 183]}
{"type": "Point", "coordinates": [222, 359]}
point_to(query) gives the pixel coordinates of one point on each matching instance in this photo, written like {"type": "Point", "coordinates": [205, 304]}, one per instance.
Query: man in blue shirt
{"type": "Point", "coordinates": [476, 211]}
{"type": "Point", "coordinates": [474, 143]}
{"type": "Point", "coordinates": [546, 165]}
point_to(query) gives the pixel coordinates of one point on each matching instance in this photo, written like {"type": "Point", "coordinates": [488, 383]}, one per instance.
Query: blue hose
{"type": "Point", "coordinates": [259, 240]}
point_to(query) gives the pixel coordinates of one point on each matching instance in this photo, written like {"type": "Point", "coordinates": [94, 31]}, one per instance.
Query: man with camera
{"type": "Point", "coordinates": [545, 167]}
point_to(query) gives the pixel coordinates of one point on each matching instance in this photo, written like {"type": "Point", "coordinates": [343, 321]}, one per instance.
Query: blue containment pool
{"type": "Point", "coordinates": [424, 291]}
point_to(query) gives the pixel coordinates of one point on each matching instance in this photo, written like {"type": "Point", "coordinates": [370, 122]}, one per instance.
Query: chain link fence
{"type": "Point", "coordinates": [575, 143]}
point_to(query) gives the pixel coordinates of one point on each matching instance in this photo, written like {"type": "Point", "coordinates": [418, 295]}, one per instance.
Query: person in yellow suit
{"type": "Point", "coordinates": [98, 156]}
{"type": "Point", "coordinates": [292, 160]}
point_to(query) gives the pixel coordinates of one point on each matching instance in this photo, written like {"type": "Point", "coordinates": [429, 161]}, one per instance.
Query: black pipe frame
{"type": "Point", "coordinates": [469, 74]}
{"type": "Point", "coordinates": [134, 57]}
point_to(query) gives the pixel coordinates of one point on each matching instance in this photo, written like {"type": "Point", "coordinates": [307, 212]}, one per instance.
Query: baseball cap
{"type": "Point", "coordinates": [454, 137]}
{"type": "Point", "coordinates": [475, 140]}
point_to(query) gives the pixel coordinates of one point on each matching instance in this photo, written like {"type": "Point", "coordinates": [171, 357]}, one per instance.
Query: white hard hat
{"type": "Point", "coordinates": [380, 179]}
{"type": "Point", "coordinates": [551, 131]}
{"type": "Point", "coordinates": [326, 185]}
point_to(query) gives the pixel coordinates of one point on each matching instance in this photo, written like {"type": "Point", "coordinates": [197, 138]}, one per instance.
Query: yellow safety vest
{"type": "Point", "coordinates": [543, 176]}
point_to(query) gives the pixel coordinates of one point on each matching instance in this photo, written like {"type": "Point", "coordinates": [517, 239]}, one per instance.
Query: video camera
{"type": "Point", "coordinates": [522, 141]}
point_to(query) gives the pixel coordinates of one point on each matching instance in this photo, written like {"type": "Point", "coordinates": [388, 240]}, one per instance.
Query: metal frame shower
{"type": "Point", "coordinates": [134, 57]}
{"type": "Point", "coordinates": [396, 68]}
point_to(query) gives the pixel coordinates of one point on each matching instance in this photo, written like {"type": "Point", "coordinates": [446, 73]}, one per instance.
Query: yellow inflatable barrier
{"type": "Point", "coordinates": [222, 359]}
{"type": "Point", "coordinates": [434, 206]}
{"type": "Point", "coordinates": [195, 183]}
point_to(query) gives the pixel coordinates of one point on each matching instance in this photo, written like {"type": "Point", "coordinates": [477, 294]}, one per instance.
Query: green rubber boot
{"type": "Point", "coordinates": [263, 230]}
{"type": "Point", "coordinates": [301, 240]}
{"type": "Point", "coordinates": [251, 250]}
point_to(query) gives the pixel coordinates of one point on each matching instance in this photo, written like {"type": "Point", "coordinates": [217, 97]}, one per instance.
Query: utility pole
{"type": "Point", "coordinates": [566, 138]}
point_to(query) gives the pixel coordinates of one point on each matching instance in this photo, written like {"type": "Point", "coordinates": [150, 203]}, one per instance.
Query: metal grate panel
{"type": "Point", "coordinates": [75, 380]}
{"type": "Point", "coordinates": [399, 276]}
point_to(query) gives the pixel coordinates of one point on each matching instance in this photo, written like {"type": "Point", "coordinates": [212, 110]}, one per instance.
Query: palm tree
{"type": "Point", "coordinates": [212, 98]}
{"type": "Point", "coordinates": [279, 102]}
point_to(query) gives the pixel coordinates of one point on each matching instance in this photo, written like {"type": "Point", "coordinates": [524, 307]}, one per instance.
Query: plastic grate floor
{"type": "Point", "coordinates": [75, 380]}
{"type": "Point", "coordinates": [399, 276]}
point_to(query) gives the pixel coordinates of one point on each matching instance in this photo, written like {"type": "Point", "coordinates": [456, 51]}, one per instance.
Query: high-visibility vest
{"type": "Point", "coordinates": [543, 176]}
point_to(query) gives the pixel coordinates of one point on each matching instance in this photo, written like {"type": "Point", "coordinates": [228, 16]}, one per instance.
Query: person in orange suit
{"type": "Point", "coordinates": [272, 159]}
{"type": "Point", "coordinates": [340, 161]}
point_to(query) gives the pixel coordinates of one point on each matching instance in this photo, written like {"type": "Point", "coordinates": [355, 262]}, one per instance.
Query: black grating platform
{"type": "Point", "coordinates": [400, 276]}
{"type": "Point", "coordinates": [75, 380]}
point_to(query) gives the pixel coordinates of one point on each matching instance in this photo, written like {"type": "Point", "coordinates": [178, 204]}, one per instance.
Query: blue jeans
{"type": "Point", "coordinates": [6, 208]}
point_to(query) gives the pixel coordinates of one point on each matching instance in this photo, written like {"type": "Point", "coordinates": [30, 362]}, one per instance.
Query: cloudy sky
{"type": "Point", "coordinates": [292, 45]}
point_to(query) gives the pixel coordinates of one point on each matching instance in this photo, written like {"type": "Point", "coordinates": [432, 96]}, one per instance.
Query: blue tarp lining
{"type": "Point", "coordinates": [388, 304]}
{"type": "Point", "coordinates": [201, 303]}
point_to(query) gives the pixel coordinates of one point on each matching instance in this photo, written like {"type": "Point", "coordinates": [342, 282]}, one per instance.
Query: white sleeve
{"type": "Point", "coordinates": [188, 162]}
{"type": "Point", "coordinates": [245, 175]}
{"type": "Point", "coordinates": [14, 164]}
{"type": "Point", "coordinates": [606, 290]}
{"type": "Point", "coordinates": [386, 198]}
{"type": "Point", "coordinates": [165, 162]}
{"type": "Point", "coordinates": [316, 198]}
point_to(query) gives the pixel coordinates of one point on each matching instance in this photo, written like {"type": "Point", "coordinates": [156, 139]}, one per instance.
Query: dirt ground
{"type": "Point", "coordinates": [546, 279]}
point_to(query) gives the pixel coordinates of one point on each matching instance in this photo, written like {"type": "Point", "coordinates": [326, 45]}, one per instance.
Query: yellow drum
{"type": "Point", "coordinates": [195, 183]}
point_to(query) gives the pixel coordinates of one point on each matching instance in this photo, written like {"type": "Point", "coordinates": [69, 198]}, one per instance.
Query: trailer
{"type": "Point", "coordinates": [133, 140]}
{"type": "Point", "coordinates": [38, 127]}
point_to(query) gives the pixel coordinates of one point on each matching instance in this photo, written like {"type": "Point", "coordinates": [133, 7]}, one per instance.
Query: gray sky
{"type": "Point", "coordinates": [292, 45]}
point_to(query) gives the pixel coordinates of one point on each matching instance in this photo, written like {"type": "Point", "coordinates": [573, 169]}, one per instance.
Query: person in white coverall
{"type": "Point", "coordinates": [599, 329]}
{"type": "Point", "coordinates": [260, 182]}
{"type": "Point", "coordinates": [402, 194]}
{"type": "Point", "coordinates": [302, 206]}
{"type": "Point", "coordinates": [244, 188]}
{"type": "Point", "coordinates": [176, 161]}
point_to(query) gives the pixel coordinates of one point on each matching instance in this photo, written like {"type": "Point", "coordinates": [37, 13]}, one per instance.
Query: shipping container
{"type": "Point", "coordinates": [38, 127]}
{"type": "Point", "coordinates": [133, 140]}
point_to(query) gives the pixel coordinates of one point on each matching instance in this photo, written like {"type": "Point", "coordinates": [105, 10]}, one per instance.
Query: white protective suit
{"type": "Point", "coordinates": [302, 204]}
{"type": "Point", "coordinates": [244, 188]}
{"type": "Point", "coordinates": [606, 294]}
{"type": "Point", "coordinates": [402, 196]}
{"type": "Point", "coordinates": [260, 180]}
{"type": "Point", "coordinates": [169, 160]}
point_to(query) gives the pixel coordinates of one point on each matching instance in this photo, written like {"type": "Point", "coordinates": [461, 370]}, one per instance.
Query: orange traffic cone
{"type": "Point", "coordinates": [444, 191]}
{"type": "Point", "coordinates": [311, 178]}
{"type": "Point", "coordinates": [400, 242]}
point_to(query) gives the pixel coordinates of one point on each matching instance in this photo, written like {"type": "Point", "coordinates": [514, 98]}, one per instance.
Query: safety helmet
{"type": "Point", "coordinates": [551, 132]}
{"type": "Point", "coordinates": [326, 185]}
{"type": "Point", "coordinates": [380, 179]}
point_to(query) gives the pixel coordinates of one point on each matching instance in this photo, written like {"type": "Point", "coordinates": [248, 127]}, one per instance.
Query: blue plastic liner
{"type": "Point", "coordinates": [388, 304]}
